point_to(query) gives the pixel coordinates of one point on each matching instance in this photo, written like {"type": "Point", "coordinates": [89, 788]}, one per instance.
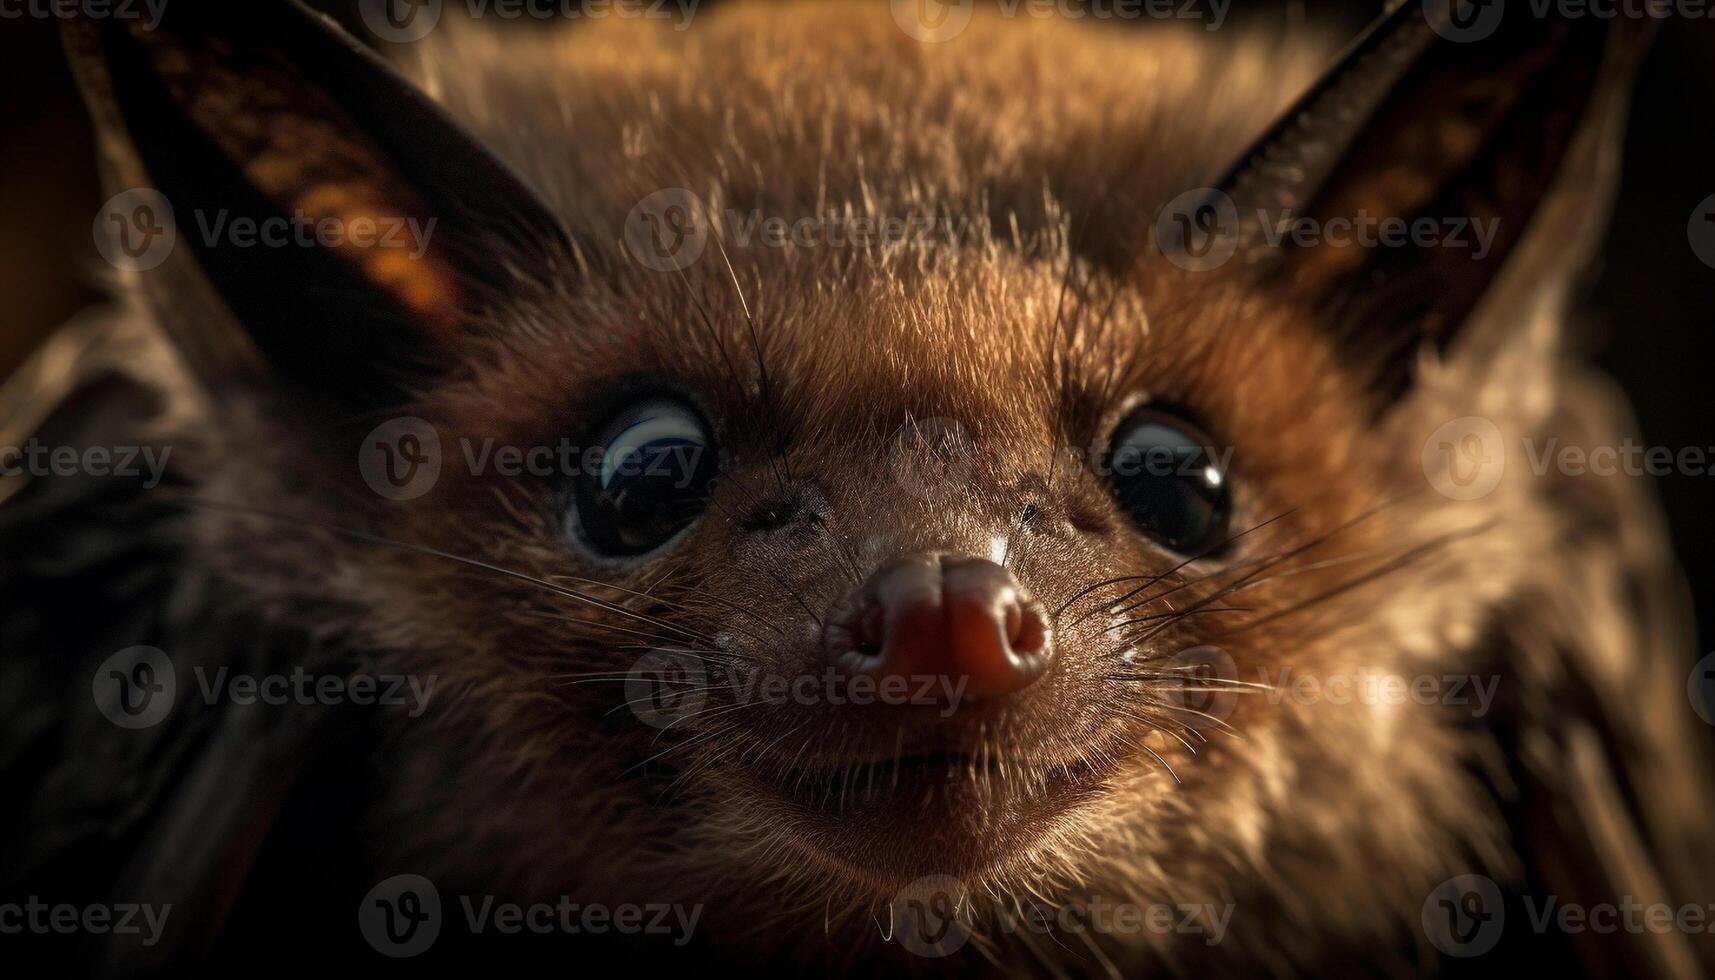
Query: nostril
{"type": "Point", "coordinates": [871, 629]}
{"type": "Point", "coordinates": [939, 615]}
{"type": "Point", "coordinates": [1027, 629]}
{"type": "Point", "coordinates": [854, 633]}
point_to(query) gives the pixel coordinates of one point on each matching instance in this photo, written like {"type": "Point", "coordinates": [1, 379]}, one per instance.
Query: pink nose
{"type": "Point", "coordinates": [940, 615]}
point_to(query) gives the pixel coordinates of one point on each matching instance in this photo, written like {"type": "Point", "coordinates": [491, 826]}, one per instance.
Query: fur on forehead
{"type": "Point", "coordinates": [1064, 142]}
{"type": "Point", "coordinates": [802, 108]}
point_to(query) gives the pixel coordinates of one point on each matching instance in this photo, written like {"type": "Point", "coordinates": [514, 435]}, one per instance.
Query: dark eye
{"type": "Point", "coordinates": [1169, 476]}
{"type": "Point", "coordinates": [650, 479]}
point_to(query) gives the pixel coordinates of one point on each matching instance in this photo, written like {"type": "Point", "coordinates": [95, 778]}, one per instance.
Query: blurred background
{"type": "Point", "coordinates": [1649, 303]}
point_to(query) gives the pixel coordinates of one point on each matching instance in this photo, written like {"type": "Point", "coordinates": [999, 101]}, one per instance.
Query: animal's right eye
{"type": "Point", "coordinates": [657, 464]}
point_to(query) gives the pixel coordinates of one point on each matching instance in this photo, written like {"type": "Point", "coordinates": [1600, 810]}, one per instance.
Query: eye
{"type": "Point", "coordinates": [650, 479]}
{"type": "Point", "coordinates": [1170, 478]}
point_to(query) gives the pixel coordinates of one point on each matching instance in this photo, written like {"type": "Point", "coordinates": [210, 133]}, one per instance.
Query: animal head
{"type": "Point", "coordinates": [890, 461]}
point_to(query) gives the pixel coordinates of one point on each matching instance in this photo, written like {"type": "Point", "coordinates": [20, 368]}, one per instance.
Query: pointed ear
{"type": "Point", "coordinates": [348, 226]}
{"type": "Point", "coordinates": [1453, 142]}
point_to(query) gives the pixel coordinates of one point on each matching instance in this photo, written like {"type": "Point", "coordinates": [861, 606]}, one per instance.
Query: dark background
{"type": "Point", "coordinates": [1650, 301]}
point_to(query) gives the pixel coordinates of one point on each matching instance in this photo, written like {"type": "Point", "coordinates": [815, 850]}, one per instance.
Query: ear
{"type": "Point", "coordinates": [351, 230]}
{"type": "Point", "coordinates": [1474, 142]}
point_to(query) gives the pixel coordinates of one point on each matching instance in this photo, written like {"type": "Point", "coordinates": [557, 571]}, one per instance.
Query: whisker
{"type": "Point", "coordinates": [1152, 579]}
{"type": "Point", "coordinates": [1403, 561]}
{"type": "Point", "coordinates": [477, 563]}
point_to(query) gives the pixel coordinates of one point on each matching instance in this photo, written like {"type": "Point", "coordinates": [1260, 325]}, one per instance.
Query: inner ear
{"type": "Point", "coordinates": [1389, 199]}
{"type": "Point", "coordinates": [351, 228]}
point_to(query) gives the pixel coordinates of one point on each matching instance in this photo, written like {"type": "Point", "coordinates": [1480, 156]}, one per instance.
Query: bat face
{"type": "Point", "coordinates": [1102, 444]}
{"type": "Point", "coordinates": [976, 466]}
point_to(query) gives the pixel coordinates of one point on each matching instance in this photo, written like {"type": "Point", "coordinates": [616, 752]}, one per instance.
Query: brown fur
{"type": "Point", "coordinates": [1326, 825]}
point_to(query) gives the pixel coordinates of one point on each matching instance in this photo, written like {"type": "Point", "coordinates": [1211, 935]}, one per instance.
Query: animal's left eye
{"type": "Point", "coordinates": [1169, 477]}
{"type": "Point", "coordinates": [658, 461]}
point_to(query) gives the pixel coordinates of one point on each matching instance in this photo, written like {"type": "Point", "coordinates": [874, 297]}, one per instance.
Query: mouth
{"type": "Point", "coordinates": [934, 811]}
